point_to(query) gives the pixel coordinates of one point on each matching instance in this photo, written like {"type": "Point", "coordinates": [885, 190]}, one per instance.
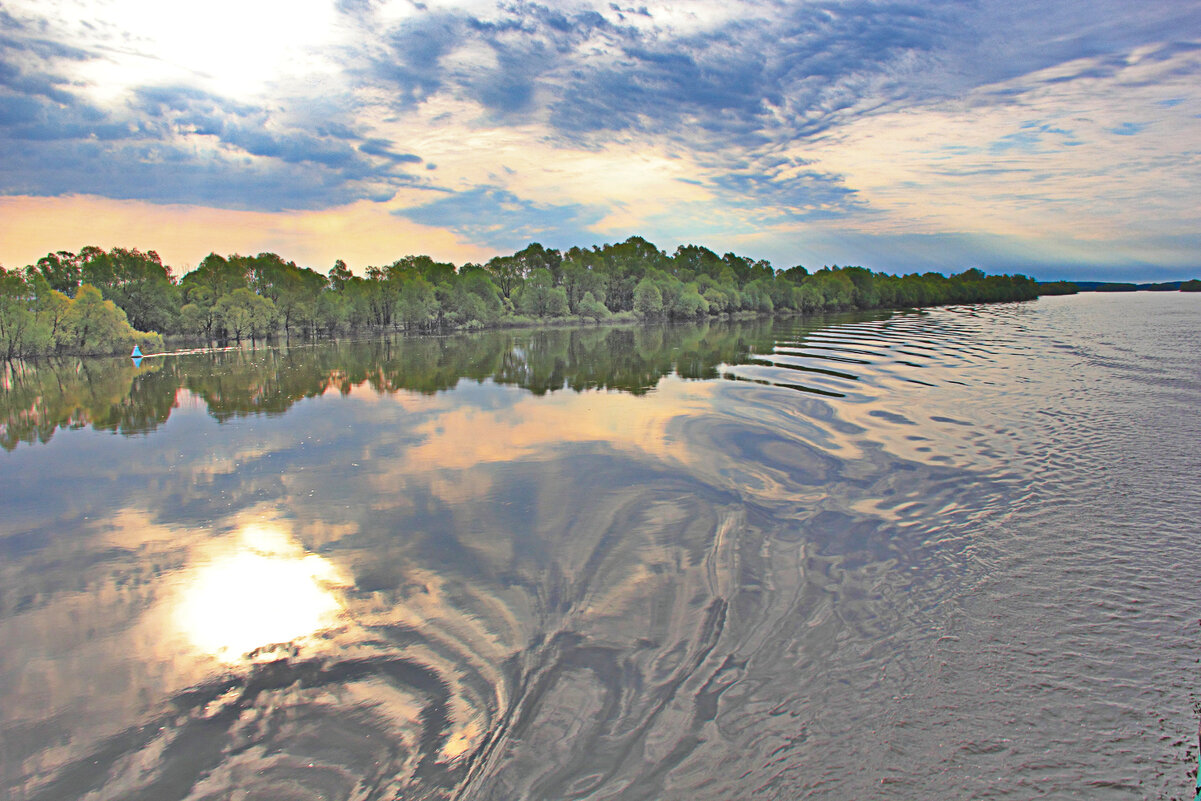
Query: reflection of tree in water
{"type": "Point", "coordinates": [36, 399]}
{"type": "Point", "coordinates": [269, 381]}
{"type": "Point", "coordinates": [107, 394]}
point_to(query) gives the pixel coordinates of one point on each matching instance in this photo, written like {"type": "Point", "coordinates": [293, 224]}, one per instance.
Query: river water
{"type": "Point", "coordinates": [939, 554]}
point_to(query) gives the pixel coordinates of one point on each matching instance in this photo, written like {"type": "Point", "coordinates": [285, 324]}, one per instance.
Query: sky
{"type": "Point", "coordinates": [1056, 138]}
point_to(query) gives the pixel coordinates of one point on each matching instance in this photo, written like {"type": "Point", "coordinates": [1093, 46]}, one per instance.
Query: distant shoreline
{"type": "Point", "coordinates": [1190, 285]}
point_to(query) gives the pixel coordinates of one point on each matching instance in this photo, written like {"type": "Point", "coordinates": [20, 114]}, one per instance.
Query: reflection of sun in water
{"type": "Point", "coordinates": [264, 591]}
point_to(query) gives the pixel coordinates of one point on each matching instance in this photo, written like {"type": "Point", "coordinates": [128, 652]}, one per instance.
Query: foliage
{"type": "Point", "coordinates": [539, 297]}
{"type": "Point", "coordinates": [417, 305]}
{"type": "Point", "coordinates": [16, 317]}
{"type": "Point", "coordinates": [244, 313]}
{"type": "Point", "coordinates": [230, 298]}
{"type": "Point", "coordinates": [1058, 288]}
{"type": "Point", "coordinates": [591, 308]}
{"type": "Point", "coordinates": [36, 319]}
{"type": "Point", "coordinates": [138, 283]}
{"type": "Point", "coordinates": [648, 299]}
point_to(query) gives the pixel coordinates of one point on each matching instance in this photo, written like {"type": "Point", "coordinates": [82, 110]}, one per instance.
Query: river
{"type": "Point", "coordinates": [939, 554]}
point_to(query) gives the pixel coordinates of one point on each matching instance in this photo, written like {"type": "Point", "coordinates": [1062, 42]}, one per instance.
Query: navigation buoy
{"type": "Point", "coordinates": [137, 353]}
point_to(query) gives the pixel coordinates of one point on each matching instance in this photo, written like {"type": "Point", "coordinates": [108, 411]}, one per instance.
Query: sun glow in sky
{"type": "Point", "coordinates": [220, 45]}
{"type": "Point", "coordinates": [1057, 138]}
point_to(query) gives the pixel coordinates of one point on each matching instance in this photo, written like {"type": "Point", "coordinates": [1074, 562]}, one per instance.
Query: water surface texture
{"type": "Point", "coordinates": [947, 554]}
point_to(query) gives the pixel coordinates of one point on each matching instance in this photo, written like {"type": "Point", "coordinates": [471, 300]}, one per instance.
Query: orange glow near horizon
{"type": "Point", "coordinates": [362, 233]}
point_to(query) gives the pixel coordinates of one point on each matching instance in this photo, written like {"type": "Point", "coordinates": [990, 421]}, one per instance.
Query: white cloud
{"type": "Point", "coordinates": [232, 48]}
{"type": "Point", "coordinates": [1074, 150]}
{"type": "Point", "coordinates": [729, 124]}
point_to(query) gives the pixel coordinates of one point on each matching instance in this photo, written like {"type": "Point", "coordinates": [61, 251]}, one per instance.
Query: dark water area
{"type": "Point", "coordinates": [946, 554]}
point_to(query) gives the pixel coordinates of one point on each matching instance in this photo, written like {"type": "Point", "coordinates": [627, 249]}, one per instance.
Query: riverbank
{"type": "Point", "coordinates": [229, 299]}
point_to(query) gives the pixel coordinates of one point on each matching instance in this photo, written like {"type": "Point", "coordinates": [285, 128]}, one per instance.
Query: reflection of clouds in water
{"type": "Point", "coordinates": [538, 590]}
{"type": "Point", "coordinates": [503, 629]}
{"type": "Point", "coordinates": [710, 591]}
{"type": "Point", "coordinates": [383, 689]}
{"type": "Point", "coordinates": [532, 427]}
{"type": "Point", "coordinates": [265, 590]}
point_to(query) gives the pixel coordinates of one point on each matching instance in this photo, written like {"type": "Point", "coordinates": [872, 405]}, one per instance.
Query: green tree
{"type": "Point", "coordinates": [540, 297]}
{"type": "Point", "coordinates": [591, 308]}
{"type": "Point", "coordinates": [330, 311]}
{"type": "Point", "coordinates": [1058, 288]}
{"type": "Point", "coordinates": [62, 271]}
{"type": "Point", "coordinates": [339, 275]}
{"type": "Point", "coordinates": [471, 299]}
{"type": "Point", "coordinates": [139, 283]}
{"type": "Point", "coordinates": [195, 321]}
{"type": "Point", "coordinates": [690, 304]}
{"type": "Point", "coordinates": [243, 313]}
{"type": "Point", "coordinates": [535, 257]}
{"type": "Point", "coordinates": [693, 261]}
{"type": "Point", "coordinates": [293, 290]}
{"type": "Point", "coordinates": [479, 283]}
{"type": "Point", "coordinates": [418, 307]}
{"type": "Point", "coordinates": [507, 273]}
{"type": "Point", "coordinates": [433, 272]}
{"type": "Point", "coordinates": [15, 317]}
{"type": "Point", "coordinates": [213, 277]}
{"type": "Point", "coordinates": [795, 274]}
{"type": "Point", "coordinates": [648, 300]}
{"type": "Point", "coordinates": [97, 325]}
{"type": "Point", "coordinates": [264, 319]}
{"type": "Point", "coordinates": [49, 307]}
{"type": "Point", "coordinates": [833, 289]}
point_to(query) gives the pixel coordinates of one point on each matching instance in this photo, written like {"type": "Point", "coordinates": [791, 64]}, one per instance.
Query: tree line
{"type": "Point", "coordinates": [1057, 288]}
{"type": "Point", "coordinates": [98, 301]}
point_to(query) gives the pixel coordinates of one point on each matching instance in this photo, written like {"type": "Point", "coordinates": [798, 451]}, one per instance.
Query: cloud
{"type": "Point", "coordinates": [1023, 141]}
{"type": "Point", "coordinates": [1128, 129]}
{"type": "Point", "coordinates": [31, 117]}
{"type": "Point", "coordinates": [407, 61]}
{"type": "Point", "coordinates": [588, 118]}
{"type": "Point", "coordinates": [500, 218]}
{"type": "Point", "coordinates": [383, 149]}
{"type": "Point", "coordinates": [19, 81]}
{"type": "Point", "coordinates": [789, 74]}
{"type": "Point", "coordinates": [788, 188]}
{"type": "Point", "coordinates": [24, 36]}
{"type": "Point", "coordinates": [166, 173]}
{"type": "Point", "coordinates": [182, 144]}
{"type": "Point", "coordinates": [733, 92]}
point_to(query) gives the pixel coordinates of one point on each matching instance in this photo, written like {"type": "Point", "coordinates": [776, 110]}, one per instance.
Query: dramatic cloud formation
{"type": "Point", "coordinates": [1049, 137]}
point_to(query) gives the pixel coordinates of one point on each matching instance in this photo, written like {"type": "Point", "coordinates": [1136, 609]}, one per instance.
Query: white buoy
{"type": "Point", "coordinates": [137, 353]}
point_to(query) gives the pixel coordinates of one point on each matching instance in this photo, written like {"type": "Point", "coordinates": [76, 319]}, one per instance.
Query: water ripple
{"type": "Point", "coordinates": [955, 564]}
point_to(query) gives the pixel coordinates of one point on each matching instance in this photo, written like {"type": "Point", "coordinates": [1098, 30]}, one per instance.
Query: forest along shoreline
{"type": "Point", "coordinates": [98, 302]}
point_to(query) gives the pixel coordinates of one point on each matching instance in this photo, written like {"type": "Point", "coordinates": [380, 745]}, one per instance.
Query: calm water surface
{"type": "Point", "coordinates": [949, 554]}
